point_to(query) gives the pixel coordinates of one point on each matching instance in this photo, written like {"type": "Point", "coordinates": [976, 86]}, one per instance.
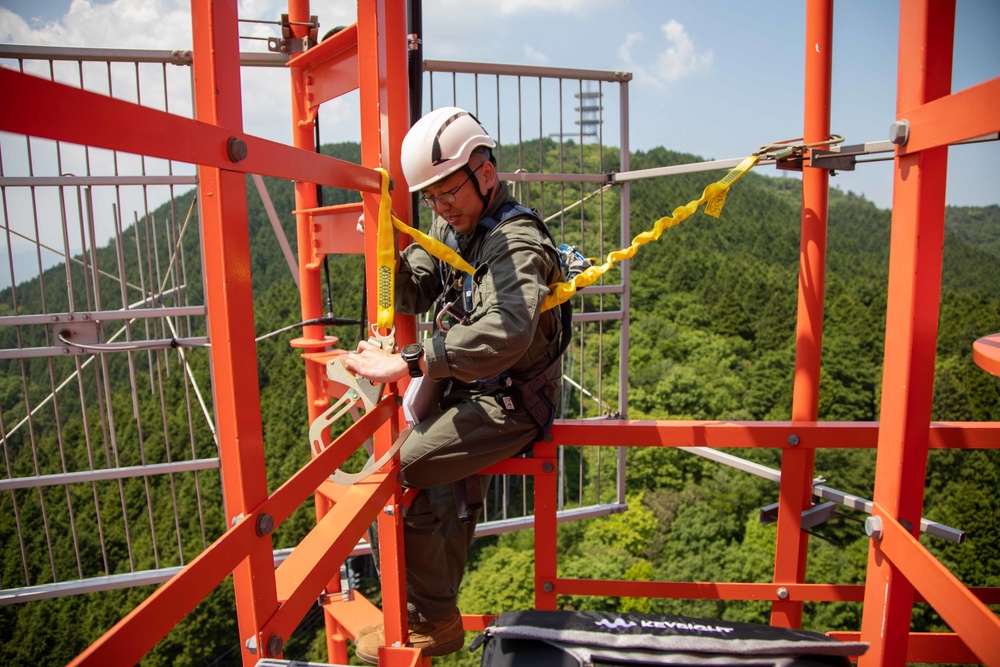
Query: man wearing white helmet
{"type": "Point", "coordinates": [495, 349]}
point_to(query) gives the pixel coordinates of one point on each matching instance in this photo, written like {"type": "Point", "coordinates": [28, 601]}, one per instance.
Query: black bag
{"type": "Point", "coordinates": [599, 639]}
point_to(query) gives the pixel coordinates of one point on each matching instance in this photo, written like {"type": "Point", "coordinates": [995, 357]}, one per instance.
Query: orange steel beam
{"type": "Point", "coordinates": [104, 122]}
{"type": "Point", "coordinates": [313, 337]}
{"type": "Point", "coordinates": [383, 92]}
{"type": "Point", "coordinates": [925, 647]}
{"type": "Point", "coordinates": [331, 67]}
{"type": "Point", "coordinates": [986, 353]}
{"type": "Point", "coordinates": [137, 633]}
{"type": "Point", "coordinates": [973, 621]}
{"type": "Point", "coordinates": [807, 435]}
{"type": "Point", "coordinates": [333, 230]}
{"type": "Point", "coordinates": [931, 124]}
{"type": "Point", "coordinates": [317, 558]}
{"type": "Point", "coordinates": [352, 611]}
{"type": "Point", "coordinates": [797, 463]}
{"type": "Point", "coordinates": [312, 254]}
{"type": "Point", "coordinates": [229, 298]}
{"type": "Point", "coordinates": [546, 505]}
{"type": "Point", "coordinates": [705, 590]}
{"type": "Point", "coordinates": [914, 295]}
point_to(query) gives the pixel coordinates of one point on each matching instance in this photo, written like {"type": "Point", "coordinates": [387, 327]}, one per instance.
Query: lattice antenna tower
{"type": "Point", "coordinates": [589, 110]}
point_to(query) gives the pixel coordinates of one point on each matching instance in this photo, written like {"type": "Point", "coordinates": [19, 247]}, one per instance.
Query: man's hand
{"type": "Point", "coordinates": [375, 364]}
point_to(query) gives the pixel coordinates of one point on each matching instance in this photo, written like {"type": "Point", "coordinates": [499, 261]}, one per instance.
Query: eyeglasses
{"type": "Point", "coordinates": [447, 197]}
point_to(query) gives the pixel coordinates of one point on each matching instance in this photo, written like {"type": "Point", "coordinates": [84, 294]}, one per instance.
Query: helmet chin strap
{"type": "Point", "coordinates": [484, 197]}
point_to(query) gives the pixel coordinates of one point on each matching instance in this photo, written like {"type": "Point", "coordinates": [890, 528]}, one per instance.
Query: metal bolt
{"type": "Point", "coordinates": [237, 149]}
{"type": "Point", "coordinates": [793, 440]}
{"type": "Point", "coordinates": [389, 511]}
{"type": "Point", "coordinates": [275, 644]}
{"type": "Point", "coordinates": [899, 132]}
{"type": "Point", "coordinates": [873, 527]}
{"type": "Point", "coordinates": [548, 587]}
{"type": "Point", "coordinates": [251, 645]}
{"type": "Point", "coordinates": [548, 466]}
{"type": "Point", "coordinates": [236, 519]}
{"type": "Point", "coordinates": [782, 593]}
{"type": "Point", "coordinates": [265, 524]}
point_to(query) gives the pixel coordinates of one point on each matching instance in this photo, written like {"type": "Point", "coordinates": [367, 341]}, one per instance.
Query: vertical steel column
{"type": "Point", "coordinates": [926, 37]}
{"type": "Point", "coordinates": [226, 242]}
{"type": "Point", "coordinates": [797, 464]}
{"type": "Point", "coordinates": [546, 523]}
{"type": "Point", "coordinates": [310, 288]}
{"type": "Point", "coordinates": [384, 101]}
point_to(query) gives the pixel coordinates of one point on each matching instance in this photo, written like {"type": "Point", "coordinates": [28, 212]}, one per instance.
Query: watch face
{"type": "Point", "coordinates": [412, 351]}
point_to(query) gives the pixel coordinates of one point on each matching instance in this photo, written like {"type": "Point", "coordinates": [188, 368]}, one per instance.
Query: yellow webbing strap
{"type": "Point", "coordinates": [385, 256]}
{"type": "Point", "coordinates": [386, 253]}
{"type": "Point", "coordinates": [434, 247]}
{"type": "Point", "coordinates": [715, 196]}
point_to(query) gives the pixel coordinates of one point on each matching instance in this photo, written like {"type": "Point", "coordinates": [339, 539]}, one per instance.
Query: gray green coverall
{"type": "Point", "coordinates": [505, 330]}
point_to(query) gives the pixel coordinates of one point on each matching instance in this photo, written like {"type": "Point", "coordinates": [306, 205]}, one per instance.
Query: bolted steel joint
{"type": "Point", "coordinates": [548, 587]}
{"type": "Point", "coordinates": [275, 645]}
{"type": "Point", "coordinates": [793, 440]}
{"type": "Point", "coordinates": [265, 524]}
{"type": "Point", "coordinates": [899, 132]}
{"type": "Point", "coordinates": [548, 466]}
{"type": "Point", "coordinates": [782, 593]}
{"type": "Point", "coordinates": [237, 149]}
{"type": "Point", "coordinates": [389, 511]}
{"type": "Point", "coordinates": [251, 645]}
{"type": "Point", "coordinates": [873, 527]}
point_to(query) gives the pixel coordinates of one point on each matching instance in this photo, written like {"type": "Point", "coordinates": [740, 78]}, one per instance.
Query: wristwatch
{"type": "Point", "coordinates": [412, 354]}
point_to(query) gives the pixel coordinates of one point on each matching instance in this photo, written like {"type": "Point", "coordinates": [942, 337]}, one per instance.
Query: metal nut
{"type": "Point", "coordinates": [793, 440]}
{"type": "Point", "coordinates": [873, 527]}
{"type": "Point", "coordinates": [899, 132]}
{"type": "Point", "coordinates": [237, 149]}
{"type": "Point", "coordinates": [782, 593]}
{"type": "Point", "coordinates": [275, 645]}
{"type": "Point", "coordinates": [265, 524]}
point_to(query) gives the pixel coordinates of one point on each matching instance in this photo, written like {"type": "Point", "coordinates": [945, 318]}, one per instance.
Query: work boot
{"type": "Point", "coordinates": [433, 638]}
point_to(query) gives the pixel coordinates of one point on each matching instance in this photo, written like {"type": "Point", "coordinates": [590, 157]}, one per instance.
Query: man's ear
{"type": "Point", "coordinates": [489, 174]}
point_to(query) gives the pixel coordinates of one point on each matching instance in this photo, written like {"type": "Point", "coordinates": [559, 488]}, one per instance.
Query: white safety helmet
{"type": "Point", "coordinates": [439, 144]}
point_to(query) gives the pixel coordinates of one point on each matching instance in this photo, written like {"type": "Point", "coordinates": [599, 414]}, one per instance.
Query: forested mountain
{"type": "Point", "coordinates": [712, 337]}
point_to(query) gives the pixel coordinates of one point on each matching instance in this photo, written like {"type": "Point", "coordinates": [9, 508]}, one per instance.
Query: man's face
{"type": "Point", "coordinates": [462, 214]}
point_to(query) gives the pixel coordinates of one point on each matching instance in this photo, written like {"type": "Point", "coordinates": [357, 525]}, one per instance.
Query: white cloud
{"type": "Point", "coordinates": [625, 50]}
{"type": "Point", "coordinates": [681, 58]}
{"type": "Point", "coordinates": [512, 7]}
{"type": "Point", "coordinates": [126, 24]}
{"type": "Point", "coordinates": [535, 55]}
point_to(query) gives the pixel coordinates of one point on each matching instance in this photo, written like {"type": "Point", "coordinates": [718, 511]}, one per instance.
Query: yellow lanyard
{"type": "Point", "coordinates": [713, 196]}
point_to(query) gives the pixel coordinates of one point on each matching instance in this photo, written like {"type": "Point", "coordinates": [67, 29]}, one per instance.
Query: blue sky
{"type": "Point", "coordinates": [714, 79]}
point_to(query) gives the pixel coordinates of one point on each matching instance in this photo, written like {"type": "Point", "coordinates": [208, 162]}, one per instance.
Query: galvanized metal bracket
{"type": "Point", "coordinates": [288, 43]}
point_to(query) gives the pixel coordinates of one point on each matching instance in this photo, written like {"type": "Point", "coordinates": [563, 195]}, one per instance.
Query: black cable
{"type": "Point", "coordinates": [328, 321]}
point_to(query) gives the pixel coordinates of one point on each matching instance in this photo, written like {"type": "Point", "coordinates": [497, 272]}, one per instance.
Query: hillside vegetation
{"type": "Point", "coordinates": [712, 330]}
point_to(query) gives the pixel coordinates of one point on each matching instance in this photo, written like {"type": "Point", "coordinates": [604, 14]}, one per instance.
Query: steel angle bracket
{"type": "Point", "coordinates": [358, 389]}
{"type": "Point", "coordinates": [363, 389]}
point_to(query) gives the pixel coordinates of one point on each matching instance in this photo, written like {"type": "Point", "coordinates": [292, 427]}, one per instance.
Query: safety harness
{"type": "Point", "coordinates": [509, 391]}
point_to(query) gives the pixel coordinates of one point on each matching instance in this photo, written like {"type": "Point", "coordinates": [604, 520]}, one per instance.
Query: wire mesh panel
{"type": "Point", "coordinates": [561, 133]}
{"type": "Point", "coordinates": [110, 459]}
{"type": "Point", "coordinates": [107, 433]}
